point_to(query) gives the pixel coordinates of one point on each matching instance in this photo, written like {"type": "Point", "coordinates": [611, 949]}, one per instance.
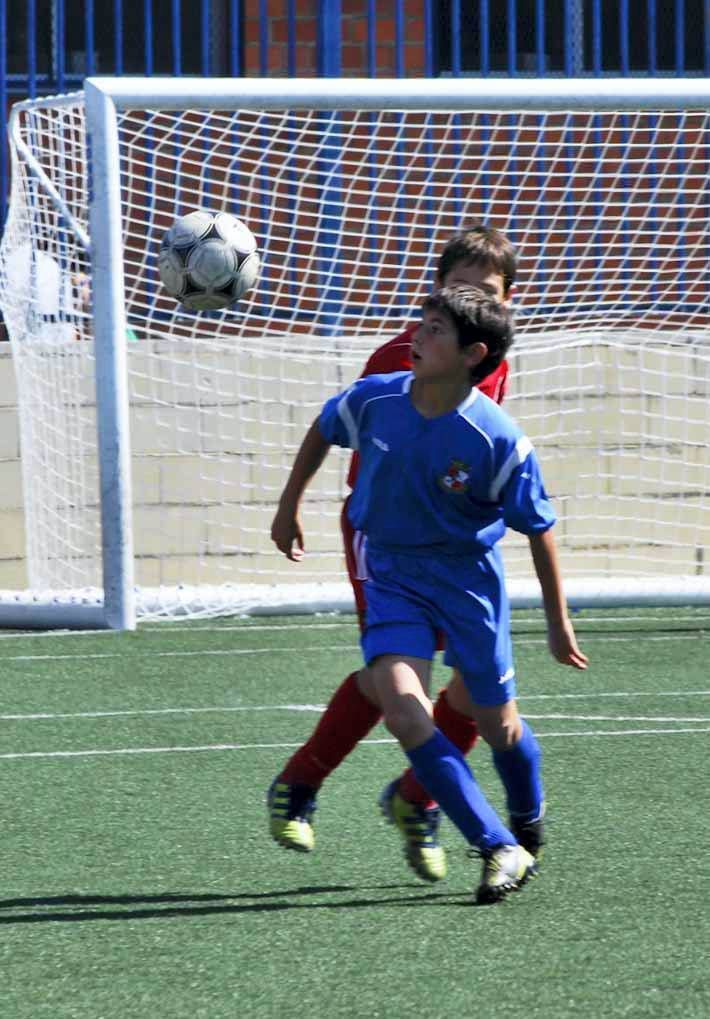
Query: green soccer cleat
{"type": "Point", "coordinates": [530, 834]}
{"type": "Point", "coordinates": [505, 869]}
{"type": "Point", "coordinates": [291, 808]}
{"type": "Point", "coordinates": [419, 828]}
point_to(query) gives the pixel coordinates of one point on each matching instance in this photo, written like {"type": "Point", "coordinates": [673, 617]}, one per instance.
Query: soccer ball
{"type": "Point", "coordinates": [208, 260]}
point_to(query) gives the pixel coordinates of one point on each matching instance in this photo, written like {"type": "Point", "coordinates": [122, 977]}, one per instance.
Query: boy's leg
{"type": "Point", "coordinates": [350, 715]}
{"type": "Point", "coordinates": [453, 715]}
{"type": "Point", "coordinates": [519, 769]}
{"type": "Point", "coordinates": [417, 823]}
{"type": "Point", "coordinates": [398, 645]}
{"type": "Point", "coordinates": [479, 643]}
{"type": "Point", "coordinates": [507, 864]}
{"type": "Point", "coordinates": [516, 755]}
{"type": "Point", "coordinates": [292, 797]}
{"type": "Point", "coordinates": [517, 758]}
{"type": "Point", "coordinates": [348, 718]}
{"type": "Point", "coordinates": [400, 682]}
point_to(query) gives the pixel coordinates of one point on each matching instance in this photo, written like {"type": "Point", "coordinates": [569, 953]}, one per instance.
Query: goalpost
{"type": "Point", "coordinates": [155, 441]}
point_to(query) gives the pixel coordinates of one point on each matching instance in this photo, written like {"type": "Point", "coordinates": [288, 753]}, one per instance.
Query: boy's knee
{"type": "Point", "coordinates": [501, 726]}
{"type": "Point", "coordinates": [408, 722]}
{"type": "Point", "coordinates": [366, 685]}
{"type": "Point", "coordinates": [458, 697]}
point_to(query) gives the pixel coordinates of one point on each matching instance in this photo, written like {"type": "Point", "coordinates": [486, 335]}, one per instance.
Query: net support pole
{"type": "Point", "coordinates": [111, 368]}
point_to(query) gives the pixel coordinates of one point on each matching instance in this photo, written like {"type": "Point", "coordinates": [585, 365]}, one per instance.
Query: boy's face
{"type": "Point", "coordinates": [475, 274]}
{"type": "Point", "coordinates": [436, 354]}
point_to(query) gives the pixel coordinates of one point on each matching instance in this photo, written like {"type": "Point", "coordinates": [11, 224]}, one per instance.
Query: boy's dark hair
{"type": "Point", "coordinates": [478, 318]}
{"type": "Point", "coordinates": [480, 244]}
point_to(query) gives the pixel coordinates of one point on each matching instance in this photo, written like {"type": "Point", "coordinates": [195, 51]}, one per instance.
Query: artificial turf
{"type": "Point", "coordinates": [138, 878]}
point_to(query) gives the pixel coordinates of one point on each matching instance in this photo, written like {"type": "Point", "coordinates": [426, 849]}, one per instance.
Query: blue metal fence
{"type": "Point", "coordinates": [49, 46]}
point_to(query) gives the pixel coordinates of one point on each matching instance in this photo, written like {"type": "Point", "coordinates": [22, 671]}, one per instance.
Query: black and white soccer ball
{"type": "Point", "coordinates": [208, 260]}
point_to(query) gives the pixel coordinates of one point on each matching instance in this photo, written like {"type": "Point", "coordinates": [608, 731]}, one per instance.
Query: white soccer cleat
{"type": "Point", "coordinates": [505, 869]}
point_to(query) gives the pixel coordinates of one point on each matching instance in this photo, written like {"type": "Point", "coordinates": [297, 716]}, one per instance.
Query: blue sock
{"type": "Point", "coordinates": [519, 769]}
{"type": "Point", "coordinates": [443, 771]}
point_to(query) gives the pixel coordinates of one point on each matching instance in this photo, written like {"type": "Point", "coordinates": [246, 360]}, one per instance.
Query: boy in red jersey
{"type": "Point", "coordinates": [479, 256]}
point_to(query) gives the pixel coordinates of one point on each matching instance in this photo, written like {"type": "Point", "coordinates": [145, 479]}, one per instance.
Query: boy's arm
{"type": "Point", "coordinates": [286, 526]}
{"type": "Point", "coordinates": [560, 634]}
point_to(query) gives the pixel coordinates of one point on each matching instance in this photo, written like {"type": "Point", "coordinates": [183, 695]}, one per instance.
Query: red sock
{"type": "Point", "coordinates": [462, 732]}
{"type": "Point", "coordinates": [347, 719]}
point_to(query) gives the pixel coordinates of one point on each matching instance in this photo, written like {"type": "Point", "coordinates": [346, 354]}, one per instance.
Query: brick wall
{"type": "Point", "coordinates": [355, 39]}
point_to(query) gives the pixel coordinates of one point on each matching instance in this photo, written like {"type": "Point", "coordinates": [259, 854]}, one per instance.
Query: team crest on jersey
{"type": "Point", "coordinates": [456, 478]}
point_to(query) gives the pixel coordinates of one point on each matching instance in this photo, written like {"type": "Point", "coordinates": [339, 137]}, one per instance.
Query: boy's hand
{"type": "Point", "coordinates": [286, 533]}
{"type": "Point", "coordinates": [563, 645]}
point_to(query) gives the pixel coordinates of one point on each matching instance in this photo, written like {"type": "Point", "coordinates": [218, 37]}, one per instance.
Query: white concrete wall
{"type": "Point", "coordinates": [12, 525]}
{"type": "Point", "coordinates": [623, 436]}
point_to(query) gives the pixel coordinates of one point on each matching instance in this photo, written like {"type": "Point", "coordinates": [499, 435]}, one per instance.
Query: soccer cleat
{"type": "Point", "coordinates": [530, 834]}
{"type": "Point", "coordinates": [419, 827]}
{"type": "Point", "coordinates": [291, 808]}
{"type": "Point", "coordinates": [505, 869]}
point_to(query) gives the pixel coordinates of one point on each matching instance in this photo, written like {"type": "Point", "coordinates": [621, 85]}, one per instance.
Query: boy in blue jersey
{"type": "Point", "coordinates": [479, 255]}
{"type": "Point", "coordinates": [443, 472]}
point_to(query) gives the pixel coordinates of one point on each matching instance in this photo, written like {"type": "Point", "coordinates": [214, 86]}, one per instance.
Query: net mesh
{"type": "Point", "coordinates": [610, 370]}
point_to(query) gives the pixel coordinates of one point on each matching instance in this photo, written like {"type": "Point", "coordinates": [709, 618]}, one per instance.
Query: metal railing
{"type": "Point", "coordinates": [49, 46]}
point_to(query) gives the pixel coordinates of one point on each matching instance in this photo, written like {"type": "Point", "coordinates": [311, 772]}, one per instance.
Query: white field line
{"type": "Point", "coordinates": [317, 708]}
{"type": "Point", "coordinates": [227, 652]}
{"type": "Point", "coordinates": [614, 693]}
{"type": "Point", "coordinates": [167, 631]}
{"type": "Point", "coordinates": [164, 711]}
{"type": "Point", "coordinates": [130, 751]}
{"type": "Point", "coordinates": [180, 654]}
{"type": "Point", "coordinates": [621, 732]}
{"type": "Point", "coordinates": [612, 718]}
{"type": "Point", "coordinates": [640, 636]}
{"type": "Point", "coordinates": [164, 630]}
{"type": "Point", "coordinates": [321, 707]}
{"type": "Point", "coordinates": [581, 620]}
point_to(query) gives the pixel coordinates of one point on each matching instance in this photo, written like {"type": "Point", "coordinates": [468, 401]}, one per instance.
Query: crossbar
{"type": "Point", "coordinates": [412, 93]}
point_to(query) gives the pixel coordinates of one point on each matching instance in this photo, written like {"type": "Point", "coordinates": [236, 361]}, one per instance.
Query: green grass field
{"type": "Point", "coordinates": [137, 878]}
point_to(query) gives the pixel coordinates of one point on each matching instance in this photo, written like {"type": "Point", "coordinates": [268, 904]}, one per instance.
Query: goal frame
{"type": "Point", "coordinates": [104, 98]}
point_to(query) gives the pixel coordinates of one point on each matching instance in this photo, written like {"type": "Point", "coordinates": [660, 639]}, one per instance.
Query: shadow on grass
{"type": "Point", "coordinates": [52, 909]}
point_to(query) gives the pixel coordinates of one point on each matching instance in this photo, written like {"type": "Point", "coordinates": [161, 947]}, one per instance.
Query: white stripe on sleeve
{"type": "Point", "coordinates": [359, 550]}
{"type": "Point", "coordinates": [523, 449]}
{"type": "Point", "coordinates": [345, 415]}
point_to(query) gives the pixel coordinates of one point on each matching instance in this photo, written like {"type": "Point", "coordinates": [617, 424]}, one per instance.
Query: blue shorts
{"type": "Point", "coordinates": [410, 597]}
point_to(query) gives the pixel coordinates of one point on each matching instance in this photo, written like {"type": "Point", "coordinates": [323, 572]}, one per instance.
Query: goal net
{"type": "Point", "coordinates": [351, 193]}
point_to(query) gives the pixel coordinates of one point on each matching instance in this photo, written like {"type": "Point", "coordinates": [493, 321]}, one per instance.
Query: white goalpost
{"type": "Point", "coordinates": [155, 441]}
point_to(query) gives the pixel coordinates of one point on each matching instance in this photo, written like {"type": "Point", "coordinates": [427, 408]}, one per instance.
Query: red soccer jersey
{"type": "Point", "coordinates": [396, 356]}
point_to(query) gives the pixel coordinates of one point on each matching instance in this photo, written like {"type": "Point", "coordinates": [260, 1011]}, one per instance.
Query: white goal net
{"type": "Point", "coordinates": [610, 373]}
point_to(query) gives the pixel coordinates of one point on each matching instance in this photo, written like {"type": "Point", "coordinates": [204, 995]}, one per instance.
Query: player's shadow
{"type": "Point", "coordinates": [84, 908]}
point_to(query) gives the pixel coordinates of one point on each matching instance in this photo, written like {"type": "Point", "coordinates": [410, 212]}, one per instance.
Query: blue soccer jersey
{"type": "Point", "coordinates": [445, 485]}
{"type": "Point", "coordinates": [433, 497]}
